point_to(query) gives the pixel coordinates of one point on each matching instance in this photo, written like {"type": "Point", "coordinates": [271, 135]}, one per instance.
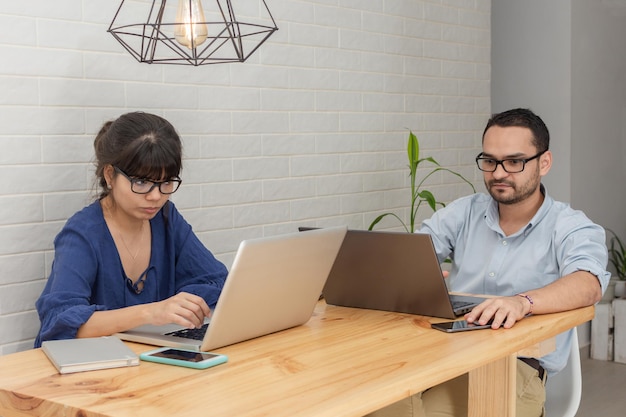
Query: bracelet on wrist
{"type": "Point", "coordinates": [530, 300]}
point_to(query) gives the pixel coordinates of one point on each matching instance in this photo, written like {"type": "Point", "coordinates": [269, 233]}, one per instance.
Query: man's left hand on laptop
{"type": "Point", "coordinates": [505, 311]}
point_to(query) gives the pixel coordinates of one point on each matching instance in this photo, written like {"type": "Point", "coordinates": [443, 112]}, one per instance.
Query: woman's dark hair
{"type": "Point", "coordinates": [523, 118]}
{"type": "Point", "coordinates": [142, 145]}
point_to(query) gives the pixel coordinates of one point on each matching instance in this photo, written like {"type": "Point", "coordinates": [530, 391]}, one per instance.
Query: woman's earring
{"type": "Point", "coordinates": [109, 187]}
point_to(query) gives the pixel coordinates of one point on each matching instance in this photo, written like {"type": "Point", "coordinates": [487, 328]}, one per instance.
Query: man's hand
{"type": "Point", "coordinates": [505, 311]}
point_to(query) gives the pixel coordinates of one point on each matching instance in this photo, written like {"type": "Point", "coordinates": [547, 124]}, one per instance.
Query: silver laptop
{"type": "Point", "coordinates": [273, 285]}
{"type": "Point", "coordinates": [392, 271]}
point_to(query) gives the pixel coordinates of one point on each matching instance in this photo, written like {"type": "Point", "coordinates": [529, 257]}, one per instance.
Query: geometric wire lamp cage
{"type": "Point", "coordinates": [184, 32]}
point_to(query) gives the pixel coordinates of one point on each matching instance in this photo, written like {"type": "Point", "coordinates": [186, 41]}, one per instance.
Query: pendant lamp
{"type": "Point", "coordinates": [185, 32]}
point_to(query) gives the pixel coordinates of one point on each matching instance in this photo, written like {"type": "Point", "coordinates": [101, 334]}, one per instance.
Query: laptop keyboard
{"type": "Point", "coordinates": [194, 334]}
{"type": "Point", "coordinates": [456, 304]}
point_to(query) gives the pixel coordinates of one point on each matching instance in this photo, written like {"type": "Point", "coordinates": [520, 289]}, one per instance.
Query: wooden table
{"type": "Point", "coordinates": [343, 362]}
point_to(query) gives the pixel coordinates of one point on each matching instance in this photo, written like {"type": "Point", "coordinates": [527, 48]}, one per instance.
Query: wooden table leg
{"type": "Point", "coordinates": [492, 389]}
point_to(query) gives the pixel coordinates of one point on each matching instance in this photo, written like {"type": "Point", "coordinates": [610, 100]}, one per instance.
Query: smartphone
{"type": "Point", "coordinates": [459, 326]}
{"type": "Point", "coordinates": [181, 357]}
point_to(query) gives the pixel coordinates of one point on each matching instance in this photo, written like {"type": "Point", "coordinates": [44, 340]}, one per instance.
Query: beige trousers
{"type": "Point", "coordinates": [450, 398]}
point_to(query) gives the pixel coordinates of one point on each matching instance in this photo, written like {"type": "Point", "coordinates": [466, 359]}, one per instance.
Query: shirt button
{"type": "Point", "coordinates": [504, 243]}
{"type": "Point", "coordinates": [492, 274]}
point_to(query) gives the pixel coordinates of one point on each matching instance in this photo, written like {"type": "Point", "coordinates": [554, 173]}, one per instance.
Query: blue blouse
{"type": "Point", "coordinates": [87, 273]}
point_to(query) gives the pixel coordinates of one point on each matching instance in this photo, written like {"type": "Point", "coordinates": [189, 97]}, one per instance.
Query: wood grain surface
{"type": "Point", "coordinates": [343, 362]}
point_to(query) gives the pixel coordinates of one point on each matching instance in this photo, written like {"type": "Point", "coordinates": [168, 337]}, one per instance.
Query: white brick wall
{"type": "Point", "coordinates": [312, 130]}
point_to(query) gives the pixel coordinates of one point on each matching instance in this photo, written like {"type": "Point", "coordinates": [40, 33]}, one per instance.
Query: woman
{"type": "Point", "coordinates": [130, 258]}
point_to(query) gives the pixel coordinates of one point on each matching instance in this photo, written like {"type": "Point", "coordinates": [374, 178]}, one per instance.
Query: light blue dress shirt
{"type": "Point", "coordinates": [556, 242]}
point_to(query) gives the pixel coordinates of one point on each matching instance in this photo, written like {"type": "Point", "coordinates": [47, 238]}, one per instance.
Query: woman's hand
{"type": "Point", "coordinates": [184, 309]}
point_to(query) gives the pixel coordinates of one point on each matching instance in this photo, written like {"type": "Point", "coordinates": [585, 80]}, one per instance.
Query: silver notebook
{"type": "Point", "coordinates": [392, 271]}
{"type": "Point", "coordinates": [88, 354]}
{"type": "Point", "coordinates": [274, 284]}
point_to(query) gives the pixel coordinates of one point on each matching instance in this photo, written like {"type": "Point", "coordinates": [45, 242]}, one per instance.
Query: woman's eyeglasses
{"type": "Point", "coordinates": [145, 186]}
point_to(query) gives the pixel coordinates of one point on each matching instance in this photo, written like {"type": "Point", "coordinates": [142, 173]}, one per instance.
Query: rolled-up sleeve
{"type": "Point", "coordinates": [582, 247]}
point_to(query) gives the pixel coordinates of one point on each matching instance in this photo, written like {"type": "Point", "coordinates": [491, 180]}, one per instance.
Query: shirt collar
{"type": "Point", "coordinates": [492, 216]}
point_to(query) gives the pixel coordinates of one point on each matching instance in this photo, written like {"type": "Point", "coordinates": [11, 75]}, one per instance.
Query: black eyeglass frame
{"type": "Point", "coordinates": [502, 161]}
{"type": "Point", "coordinates": [158, 184]}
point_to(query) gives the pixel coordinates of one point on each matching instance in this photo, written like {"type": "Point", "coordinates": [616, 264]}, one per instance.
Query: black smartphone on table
{"type": "Point", "coordinates": [182, 357]}
{"type": "Point", "coordinates": [459, 326]}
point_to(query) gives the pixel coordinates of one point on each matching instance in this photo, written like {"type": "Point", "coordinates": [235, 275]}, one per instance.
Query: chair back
{"type": "Point", "coordinates": [564, 390]}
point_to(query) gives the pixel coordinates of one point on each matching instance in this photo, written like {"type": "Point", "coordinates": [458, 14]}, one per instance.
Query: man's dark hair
{"type": "Point", "coordinates": [523, 118]}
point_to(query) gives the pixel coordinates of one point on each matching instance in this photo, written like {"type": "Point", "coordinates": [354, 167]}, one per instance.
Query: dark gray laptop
{"type": "Point", "coordinates": [392, 271]}
{"type": "Point", "coordinates": [273, 285]}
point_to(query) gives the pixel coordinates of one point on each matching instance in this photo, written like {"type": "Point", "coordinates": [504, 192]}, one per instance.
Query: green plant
{"type": "Point", "coordinates": [419, 195]}
{"type": "Point", "coordinates": [617, 255]}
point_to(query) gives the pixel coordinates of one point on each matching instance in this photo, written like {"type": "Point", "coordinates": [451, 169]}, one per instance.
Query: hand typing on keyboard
{"type": "Point", "coordinates": [184, 309]}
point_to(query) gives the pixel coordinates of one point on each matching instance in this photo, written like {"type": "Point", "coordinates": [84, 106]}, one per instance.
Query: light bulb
{"type": "Point", "coordinates": [190, 29]}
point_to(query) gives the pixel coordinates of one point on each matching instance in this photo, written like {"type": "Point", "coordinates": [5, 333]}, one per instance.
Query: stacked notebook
{"type": "Point", "coordinates": [88, 354]}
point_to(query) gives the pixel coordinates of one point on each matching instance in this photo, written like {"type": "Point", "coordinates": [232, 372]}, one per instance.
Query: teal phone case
{"type": "Point", "coordinates": [216, 358]}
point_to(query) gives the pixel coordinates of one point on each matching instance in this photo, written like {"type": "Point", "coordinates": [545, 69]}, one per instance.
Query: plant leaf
{"type": "Point", "coordinates": [429, 197]}
{"type": "Point", "coordinates": [430, 159]}
{"type": "Point", "coordinates": [382, 216]}
{"type": "Point", "coordinates": [377, 220]}
{"type": "Point", "coordinates": [413, 150]}
{"type": "Point", "coordinates": [617, 254]}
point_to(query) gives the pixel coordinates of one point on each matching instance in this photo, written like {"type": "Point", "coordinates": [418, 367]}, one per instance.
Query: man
{"type": "Point", "coordinates": [537, 255]}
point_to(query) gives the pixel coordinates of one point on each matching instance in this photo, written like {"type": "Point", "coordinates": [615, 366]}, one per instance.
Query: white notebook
{"type": "Point", "coordinates": [88, 354]}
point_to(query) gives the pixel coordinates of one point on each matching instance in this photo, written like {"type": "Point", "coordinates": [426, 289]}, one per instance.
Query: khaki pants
{"type": "Point", "coordinates": [450, 398]}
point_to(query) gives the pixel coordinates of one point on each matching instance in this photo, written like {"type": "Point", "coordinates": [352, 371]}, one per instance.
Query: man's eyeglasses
{"type": "Point", "coordinates": [512, 166]}
{"type": "Point", "coordinates": [145, 186]}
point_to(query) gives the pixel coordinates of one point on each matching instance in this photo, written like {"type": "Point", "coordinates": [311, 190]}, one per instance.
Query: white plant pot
{"type": "Point", "coordinates": [620, 289]}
